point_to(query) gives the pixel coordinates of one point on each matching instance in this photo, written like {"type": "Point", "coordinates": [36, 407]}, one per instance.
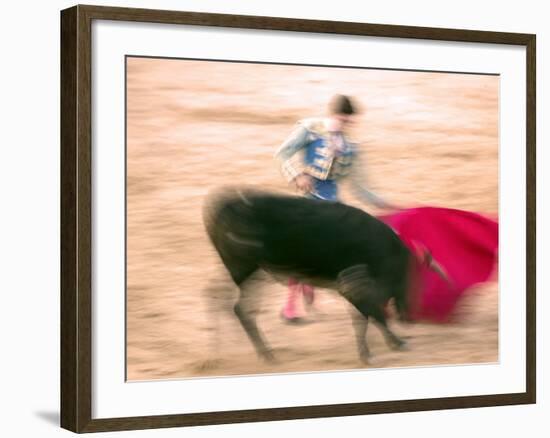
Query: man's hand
{"type": "Point", "coordinates": [304, 182]}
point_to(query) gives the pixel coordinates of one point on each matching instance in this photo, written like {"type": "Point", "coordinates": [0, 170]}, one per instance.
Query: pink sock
{"type": "Point", "coordinates": [294, 291]}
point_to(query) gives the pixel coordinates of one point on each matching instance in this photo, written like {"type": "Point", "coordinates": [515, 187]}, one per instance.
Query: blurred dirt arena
{"type": "Point", "coordinates": [192, 126]}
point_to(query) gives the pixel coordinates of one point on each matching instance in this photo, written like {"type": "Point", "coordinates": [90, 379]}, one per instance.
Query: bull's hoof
{"type": "Point", "coordinates": [366, 358]}
{"type": "Point", "coordinates": [268, 356]}
{"type": "Point", "coordinates": [401, 346]}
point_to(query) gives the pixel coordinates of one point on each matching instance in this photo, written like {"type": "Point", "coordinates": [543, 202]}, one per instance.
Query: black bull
{"type": "Point", "coordinates": [321, 243]}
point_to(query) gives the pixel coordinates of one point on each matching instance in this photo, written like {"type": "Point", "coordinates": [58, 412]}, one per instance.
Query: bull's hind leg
{"type": "Point", "coordinates": [244, 312]}
{"type": "Point", "coordinates": [360, 289]}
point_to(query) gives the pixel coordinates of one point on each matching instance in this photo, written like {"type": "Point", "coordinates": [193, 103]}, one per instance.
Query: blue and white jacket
{"type": "Point", "coordinates": [324, 156]}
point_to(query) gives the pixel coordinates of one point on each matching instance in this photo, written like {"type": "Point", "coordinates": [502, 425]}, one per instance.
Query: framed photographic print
{"type": "Point", "coordinates": [241, 196]}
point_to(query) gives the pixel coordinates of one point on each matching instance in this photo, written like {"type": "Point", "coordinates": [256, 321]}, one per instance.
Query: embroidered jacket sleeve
{"type": "Point", "coordinates": [292, 163]}
{"type": "Point", "coordinates": [359, 184]}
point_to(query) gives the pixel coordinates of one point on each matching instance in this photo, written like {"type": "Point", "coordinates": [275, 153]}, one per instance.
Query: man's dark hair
{"type": "Point", "coordinates": [341, 104]}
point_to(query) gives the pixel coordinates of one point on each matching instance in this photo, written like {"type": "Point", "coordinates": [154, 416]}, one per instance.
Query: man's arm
{"type": "Point", "coordinates": [360, 187]}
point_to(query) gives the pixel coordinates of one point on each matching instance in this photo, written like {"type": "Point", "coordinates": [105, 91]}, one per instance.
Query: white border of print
{"type": "Point", "coordinates": [113, 397]}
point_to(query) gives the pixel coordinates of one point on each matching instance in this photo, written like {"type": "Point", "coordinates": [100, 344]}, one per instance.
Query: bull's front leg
{"type": "Point", "coordinates": [360, 325]}
{"type": "Point", "coordinates": [358, 287]}
{"type": "Point", "coordinates": [351, 282]}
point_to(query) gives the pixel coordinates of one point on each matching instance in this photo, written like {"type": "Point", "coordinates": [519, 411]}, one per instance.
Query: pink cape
{"type": "Point", "coordinates": [464, 244]}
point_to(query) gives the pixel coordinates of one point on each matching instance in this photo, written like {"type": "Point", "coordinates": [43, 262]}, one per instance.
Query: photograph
{"type": "Point", "coordinates": [274, 210]}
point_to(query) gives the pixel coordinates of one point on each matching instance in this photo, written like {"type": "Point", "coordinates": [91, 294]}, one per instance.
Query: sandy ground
{"type": "Point", "coordinates": [429, 139]}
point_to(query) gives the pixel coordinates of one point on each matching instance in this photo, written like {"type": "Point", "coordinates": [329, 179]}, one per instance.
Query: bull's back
{"type": "Point", "coordinates": [301, 236]}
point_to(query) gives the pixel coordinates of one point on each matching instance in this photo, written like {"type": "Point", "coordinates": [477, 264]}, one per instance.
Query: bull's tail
{"type": "Point", "coordinates": [229, 219]}
{"type": "Point", "coordinates": [211, 209]}
{"type": "Point", "coordinates": [227, 212]}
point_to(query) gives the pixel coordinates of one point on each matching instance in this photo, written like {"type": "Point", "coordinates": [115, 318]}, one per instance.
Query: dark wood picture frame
{"type": "Point", "coordinates": [76, 218]}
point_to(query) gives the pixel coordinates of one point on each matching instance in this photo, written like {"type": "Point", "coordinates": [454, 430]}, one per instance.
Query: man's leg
{"type": "Point", "coordinates": [309, 294]}
{"type": "Point", "coordinates": [290, 310]}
